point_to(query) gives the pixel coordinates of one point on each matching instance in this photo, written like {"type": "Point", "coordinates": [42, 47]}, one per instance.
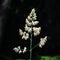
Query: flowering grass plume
{"type": "Point", "coordinates": [30, 26]}
{"type": "Point", "coordinates": [30, 29]}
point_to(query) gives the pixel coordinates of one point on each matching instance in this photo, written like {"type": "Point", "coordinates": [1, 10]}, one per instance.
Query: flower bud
{"type": "Point", "coordinates": [20, 32]}
{"type": "Point", "coordinates": [29, 18]}
{"type": "Point", "coordinates": [16, 50]}
{"type": "Point", "coordinates": [35, 23]}
{"type": "Point", "coordinates": [26, 27]}
{"type": "Point", "coordinates": [28, 23]}
{"type": "Point", "coordinates": [33, 10]}
{"type": "Point", "coordinates": [30, 30]}
{"type": "Point", "coordinates": [20, 51]}
{"type": "Point", "coordinates": [25, 49]}
{"type": "Point", "coordinates": [34, 18]}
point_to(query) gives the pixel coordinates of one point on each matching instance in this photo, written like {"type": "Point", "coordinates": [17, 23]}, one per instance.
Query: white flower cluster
{"type": "Point", "coordinates": [31, 21]}
{"type": "Point", "coordinates": [42, 41]}
{"type": "Point", "coordinates": [23, 34]}
{"type": "Point", "coordinates": [30, 29]}
{"type": "Point", "coordinates": [19, 50]}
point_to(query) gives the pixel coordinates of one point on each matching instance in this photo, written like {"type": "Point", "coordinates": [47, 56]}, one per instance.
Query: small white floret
{"type": "Point", "coordinates": [25, 36]}
{"type": "Point", "coordinates": [35, 23]}
{"type": "Point", "coordinates": [33, 10]}
{"type": "Point", "coordinates": [30, 30]}
{"type": "Point", "coordinates": [36, 31]}
{"type": "Point", "coordinates": [19, 47]}
{"type": "Point", "coordinates": [26, 27]}
{"type": "Point", "coordinates": [20, 51]}
{"type": "Point", "coordinates": [28, 22]}
{"type": "Point", "coordinates": [20, 32]}
{"type": "Point", "coordinates": [24, 50]}
{"type": "Point", "coordinates": [29, 18]}
{"type": "Point", "coordinates": [16, 50]}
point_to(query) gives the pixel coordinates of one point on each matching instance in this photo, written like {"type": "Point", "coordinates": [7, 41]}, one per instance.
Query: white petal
{"type": "Point", "coordinates": [36, 31]}
{"type": "Point", "coordinates": [34, 18]}
{"type": "Point", "coordinates": [20, 32]}
{"type": "Point", "coordinates": [16, 49]}
{"type": "Point", "coordinates": [45, 38]}
{"type": "Point", "coordinates": [26, 27]}
{"type": "Point", "coordinates": [35, 34]}
{"type": "Point", "coordinates": [28, 23]}
{"type": "Point", "coordinates": [24, 33]}
{"type": "Point", "coordinates": [29, 18]}
{"type": "Point", "coordinates": [30, 14]}
{"type": "Point", "coordinates": [34, 15]}
{"type": "Point", "coordinates": [25, 36]}
{"type": "Point", "coordinates": [40, 45]}
{"type": "Point", "coordinates": [34, 28]}
{"type": "Point", "coordinates": [20, 51]}
{"type": "Point", "coordinates": [30, 30]}
{"type": "Point", "coordinates": [33, 10]}
{"type": "Point", "coordinates": [25, 49]}
{"type": "Point", "coordinates": [39, 28]}
{"type": "Point", "coordinates": [35, 22]}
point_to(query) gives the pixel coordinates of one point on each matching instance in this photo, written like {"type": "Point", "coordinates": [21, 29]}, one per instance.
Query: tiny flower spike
{"type": "Point", "coordinates": [32, 15]}
{"type": "Point", "coordinates": [42, 41]}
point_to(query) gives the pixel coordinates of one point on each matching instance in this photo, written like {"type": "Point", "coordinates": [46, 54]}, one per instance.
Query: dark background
{"type": "Point", "coordinates": [12, 16]}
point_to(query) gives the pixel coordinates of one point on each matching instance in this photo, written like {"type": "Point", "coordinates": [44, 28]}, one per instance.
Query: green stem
{"type": "Point", "coordinates": [31, 46]}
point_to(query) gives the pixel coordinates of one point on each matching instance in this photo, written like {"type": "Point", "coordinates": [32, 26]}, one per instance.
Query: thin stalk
{"type": "Point", "coordinates": [31, 46]}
